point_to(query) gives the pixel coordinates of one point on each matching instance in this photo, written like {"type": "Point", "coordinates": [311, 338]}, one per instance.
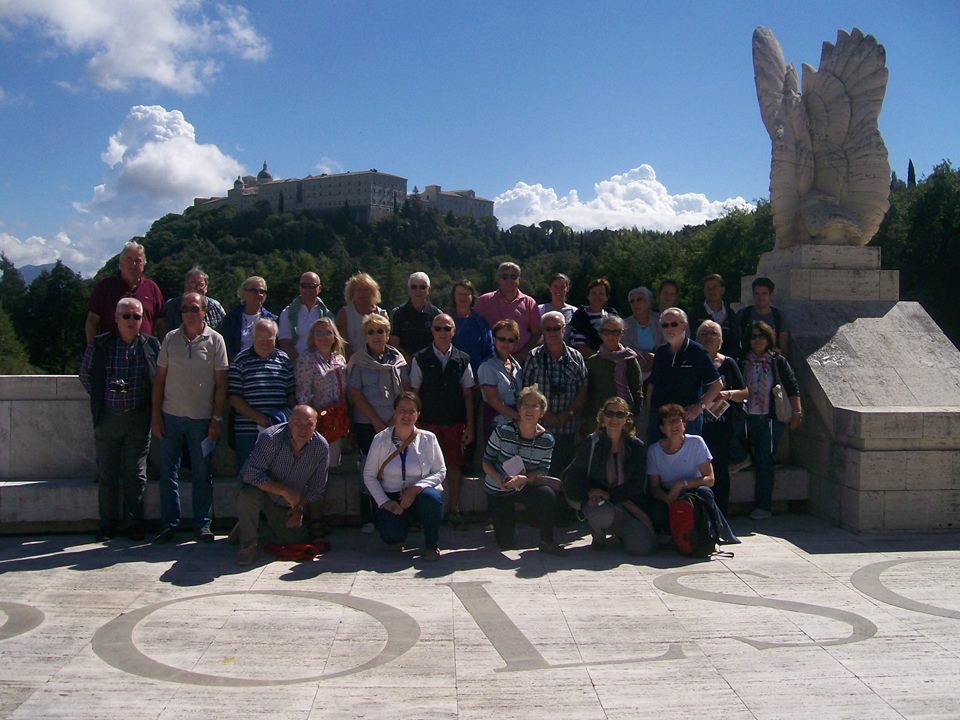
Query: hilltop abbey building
{"type": "Point", "coordinates": [367, 195]}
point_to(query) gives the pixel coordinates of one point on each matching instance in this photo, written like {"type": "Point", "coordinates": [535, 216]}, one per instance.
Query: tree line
{"type": "Point", "coordinates": [41, 324]}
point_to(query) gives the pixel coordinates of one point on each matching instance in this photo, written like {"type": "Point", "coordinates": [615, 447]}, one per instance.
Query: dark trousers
{"type": "Point", "coordinates": [427, 509]}
{"type": "Point", "coordinates": [364, 434]}
{"type": "Point", "coordinates": [261, 521]}
{"type": "Point", "coordinates": [717, 435]}
{"type": "Point", "coordinates": [122, 442]}
{"type": "Point", "coordinates": [539, 500]}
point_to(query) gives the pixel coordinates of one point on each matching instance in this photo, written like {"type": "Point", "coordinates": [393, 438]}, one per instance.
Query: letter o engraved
{"type": "Point", "coordinates": [113, 643]}
{"type": "Point", "coordinates": [20, 619]}
{"type": "Point", "coordinates": [862, 629]}
{"type": "Point", "coordinates": [867, 580]}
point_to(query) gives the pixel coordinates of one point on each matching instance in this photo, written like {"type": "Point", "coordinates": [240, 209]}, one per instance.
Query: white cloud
{"type": "Point", "coordinates": [36, 250]}
{"type": "Point", "coordinates": [154, 166]}
{"type": "Point", "coordinates": [172, 43]}
{"type": "Point", "coordinates": [328, 166]}
{"type": "Point", "coordinates": [635, 198]}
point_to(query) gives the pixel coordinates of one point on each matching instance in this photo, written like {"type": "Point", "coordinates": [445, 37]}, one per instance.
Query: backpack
{"type": "Point", "coordinates": [692, 527]}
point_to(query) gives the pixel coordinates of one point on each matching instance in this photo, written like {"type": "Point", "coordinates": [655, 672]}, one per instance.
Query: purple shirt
{"type": "Point", "coordinates": [108, 292]}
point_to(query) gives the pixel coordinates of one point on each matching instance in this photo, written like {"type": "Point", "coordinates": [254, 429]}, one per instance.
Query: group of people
{"type": "Point", "coordinates": [546, 399]}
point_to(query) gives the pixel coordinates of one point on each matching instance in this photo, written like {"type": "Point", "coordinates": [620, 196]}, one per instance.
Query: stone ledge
{"type": "Point", "coordinates": [45, 505]}
{"type": "Point", "coordinates": [832, 257]}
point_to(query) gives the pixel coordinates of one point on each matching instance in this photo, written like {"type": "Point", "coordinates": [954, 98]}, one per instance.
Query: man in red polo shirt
{"type": "Point", "coordinates": [508, 303]}
{"type": "Point", "coordinates": [128, 282]}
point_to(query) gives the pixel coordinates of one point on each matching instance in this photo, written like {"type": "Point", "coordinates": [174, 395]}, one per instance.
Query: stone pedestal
{"type": "Point", "coordinates": [881, 391]}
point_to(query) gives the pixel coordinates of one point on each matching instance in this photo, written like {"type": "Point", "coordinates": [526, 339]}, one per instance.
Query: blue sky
{"type": "Point", "coordinates": [602, 113]}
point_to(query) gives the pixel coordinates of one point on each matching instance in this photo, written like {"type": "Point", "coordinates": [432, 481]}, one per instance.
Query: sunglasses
{"type": "Point", "coordinates": [512, 341]}
{"type": "Point", "coordinates": [673, 323]}
{"type": "Point", "coordinates": [377, 331]}
{"type": "Point", "coordinates": [418, 287]}
{"type": "Point", "coordinates": [611, 331]}
{"type": "Point", "coordinates": [309, 286]}
{"type": "Point", "coordinates": [552, 328]}
{"type": "Point", "coordinates": [442, 328]}
{"type": "Point", "coordinates": [258, 291]}
{"type": "Point", "coordinates": [758, 337]}
{"type": "Point", "coordinates": [190, 309]}
{"type": "Point", "coordinates": [618, 414]}
{"type": "Point", "coordinates": [323, 333]}
{"type": "Point", "coordinates": [509, 276]}
{"type": "Point", "coordinates": [131, 316]}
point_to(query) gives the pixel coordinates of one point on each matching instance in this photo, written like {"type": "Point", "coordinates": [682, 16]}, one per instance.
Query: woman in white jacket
{"type": "Point", "coordinates": [404, 473]}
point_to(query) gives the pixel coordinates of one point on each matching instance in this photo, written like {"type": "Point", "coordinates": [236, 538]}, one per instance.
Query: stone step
{"type": "Point", "coordinates": [71, 504]}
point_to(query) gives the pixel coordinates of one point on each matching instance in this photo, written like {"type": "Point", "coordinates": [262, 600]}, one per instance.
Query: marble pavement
{"type": "Point", "coordinates": [806, 620]}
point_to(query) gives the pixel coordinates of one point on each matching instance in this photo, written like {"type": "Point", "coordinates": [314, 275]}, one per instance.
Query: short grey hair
{"type": "Point", "coordinates": [132, 302]}
{"type": "Point", "coordinates": [196, 270]}
{"type": "Point", "coordinates": [645, 291]}
{"type": "Point", "coordinates": [555, 315]}
{"type": "Point", "coordinates": [134, 245]}
{"type": "Point", "coordinates": [508, 265]}
{"type": "Point", "coordinates": [678, 311]}
{"type": "Point", "coordinates": [267, 323]}
{"type": "Point", "coordinates": [421, 276]}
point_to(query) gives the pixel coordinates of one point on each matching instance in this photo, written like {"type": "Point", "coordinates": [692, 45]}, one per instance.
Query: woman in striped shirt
{"type": "Point", "coordinates": [515, 464]}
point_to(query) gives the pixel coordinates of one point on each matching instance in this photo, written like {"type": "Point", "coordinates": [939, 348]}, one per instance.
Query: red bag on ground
{"type": "Point", "coordinates": [690, 526]}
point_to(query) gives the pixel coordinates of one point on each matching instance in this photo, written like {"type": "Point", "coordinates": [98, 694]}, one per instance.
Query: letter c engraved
{"type": "Point", "coordinates": [867, 580]}
{"type": "Point", "coordinates": [862, 629]}
{"type": "Point", "coordinates": [20, 619]}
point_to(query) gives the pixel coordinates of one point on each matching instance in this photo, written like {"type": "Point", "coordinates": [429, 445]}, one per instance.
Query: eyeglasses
{"type": "Point", "coordinates": [418, 287]}
{"type": "Point", "coordinates": [258, 291]}
{"type": "Point", "coordinates": [309, 286]}
{"type": "Point", "coordinates": [673, 323]}
{"type": "Point", "coordinates": [190, 309]}
{"type": "Point", "coordinates": [131, 316]}
{"type": "Point", "coordinates": [552, 328]}
{"type": "Point", "coordinates": [509, 276]}
{"type": "Point", "coordinates": [512, 341]}
{"type": "Point", "coordinates": [376, 331]}
{"type": "Point", "coordinates": [323, 333]}
{"type": "Point", "coordinates": [611, 331]}
{"type": "Point", "coordinates": [442, 328]}
{"type": "Point", "coordinates": [618, 414]}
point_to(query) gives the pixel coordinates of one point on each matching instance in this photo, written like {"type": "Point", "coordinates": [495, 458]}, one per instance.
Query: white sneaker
{"type": "Point", "coordinates": [760, 514]}
{"type": "Point", "coordinates": [367, 528]}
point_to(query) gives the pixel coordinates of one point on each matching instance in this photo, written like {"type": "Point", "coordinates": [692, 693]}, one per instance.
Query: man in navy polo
{"type": "Point", "coordinates": [683, 373]}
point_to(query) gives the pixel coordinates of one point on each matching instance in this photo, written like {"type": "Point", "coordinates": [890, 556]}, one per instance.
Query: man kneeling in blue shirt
{"type": "Point", "coordinates": [286, 470]}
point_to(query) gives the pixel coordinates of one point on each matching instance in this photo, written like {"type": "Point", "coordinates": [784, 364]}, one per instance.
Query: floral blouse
{"type": "Point", "coordinates": [317, 383]}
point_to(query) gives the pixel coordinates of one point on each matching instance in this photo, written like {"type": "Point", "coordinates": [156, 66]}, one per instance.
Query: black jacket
{"type": "Point", "coordinates": [102, 344]}
{"type": "Point", "coordinates": [585, 473]}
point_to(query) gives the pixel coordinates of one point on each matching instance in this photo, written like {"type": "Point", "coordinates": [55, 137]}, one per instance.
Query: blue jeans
{"type": "Point", "coordinates": [765, 433]}
{"type": "Point", "coordinates": [175, 429]}
{"type": "Point", "coordinates": [427, 509]}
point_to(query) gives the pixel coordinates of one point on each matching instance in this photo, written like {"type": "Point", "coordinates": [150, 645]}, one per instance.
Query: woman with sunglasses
{"type": "Point", "coordinates": [763, 369]}
{"type": "Point", "coordinates": [373, 385]}
{"type": "Point", "coordinates": [608, 478]}
{"type": "Point", "coordinates": [500, 377]}
{"type": "Point", "coordinates": [321, 373]}
{"type": "Point", "coordinates": [613, 371]}
{"type": "Point", "coordinates": [237, 326]}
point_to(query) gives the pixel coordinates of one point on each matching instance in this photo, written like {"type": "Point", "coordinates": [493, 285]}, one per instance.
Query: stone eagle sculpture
{"type": "Point", "coordinates": [829, 174]}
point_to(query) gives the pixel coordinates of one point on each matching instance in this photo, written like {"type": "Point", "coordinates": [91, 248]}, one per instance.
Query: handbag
{"type": "Point", "coordinates": [781, 403]}
{"type": "Point", "coordinates": [333, 421]}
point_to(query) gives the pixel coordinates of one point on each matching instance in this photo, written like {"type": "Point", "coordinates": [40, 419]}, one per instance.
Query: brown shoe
{"type": "Point", "coordinates": [247, 555]}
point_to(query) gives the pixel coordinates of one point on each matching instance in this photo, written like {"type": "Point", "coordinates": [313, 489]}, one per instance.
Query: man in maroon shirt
{"type": "Point", "coordinates": [128, 282]}
{"type": "Point", "coordinates": [507, 302]}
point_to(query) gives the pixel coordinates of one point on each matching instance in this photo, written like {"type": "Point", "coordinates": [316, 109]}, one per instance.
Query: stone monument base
{"type": "Point", "coordinates": [881, 391]}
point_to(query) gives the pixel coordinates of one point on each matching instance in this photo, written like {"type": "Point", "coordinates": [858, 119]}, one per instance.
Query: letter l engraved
{"type": "Point", "coordinates": [517, 652]}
